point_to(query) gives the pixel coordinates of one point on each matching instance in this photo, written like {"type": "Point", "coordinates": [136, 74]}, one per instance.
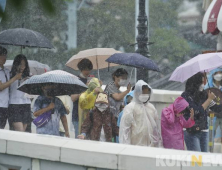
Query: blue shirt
{"type": "Point", "coordinates": [52, 127]}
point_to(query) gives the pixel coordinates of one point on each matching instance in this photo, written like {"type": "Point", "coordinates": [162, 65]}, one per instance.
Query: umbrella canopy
{"type": "Point", "coordinates": [36, 67]}
{"type": "Point", "coordinates": [200, 63]}
{"type": "Point", "coordinates": [212, 21]}
{"type": "Point", "coordinates": [65, 83]}
{"type": "Point", "coordinates": [25, 38]}
{"type": "Point", "coordinates": [134, 60]}
{"type": "Point", "coordinates": [97, 56]}
{"type": "Point", "coordinates": [206, 4]}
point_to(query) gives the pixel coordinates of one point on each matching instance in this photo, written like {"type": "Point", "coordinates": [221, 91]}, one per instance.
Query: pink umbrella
{"type": "Point", "coordinates": [200, 63]}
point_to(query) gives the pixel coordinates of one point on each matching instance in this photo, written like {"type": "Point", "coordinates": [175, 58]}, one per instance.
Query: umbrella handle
{"type": "Point", "coordinates": [131, 74]}
{"type": "Point", "coordinates": [207, 79]}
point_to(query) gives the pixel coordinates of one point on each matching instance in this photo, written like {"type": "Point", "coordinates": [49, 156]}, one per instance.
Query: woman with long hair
{"type": "Point", "coordinates": [19, 104]}
{"type": "Point", "coordinates": [196, 137]}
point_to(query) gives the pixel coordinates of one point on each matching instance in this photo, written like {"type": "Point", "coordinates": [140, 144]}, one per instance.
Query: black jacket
{"type": "Point", "coordinates": [200, 115]}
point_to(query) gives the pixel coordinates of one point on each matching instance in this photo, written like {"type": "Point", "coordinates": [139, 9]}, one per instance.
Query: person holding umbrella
{"type": "Point", "coordinates": [53, 106]}
{"type": "Point", "coordinates": [5, 83]}
{"type": "Point", "coordinates": [85, 66]}
{"type": "Point", "coordinates": [47, 107]}
{"type": "Point", "coordinates": [112, 90]}
{"type": "Point", "coordinates": [196, 137]}
{"type": "Point", "coordinates": [19, 104]}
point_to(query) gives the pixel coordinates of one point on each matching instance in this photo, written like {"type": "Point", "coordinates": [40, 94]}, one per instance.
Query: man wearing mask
{"type": "Point", "coordinates": [139, 124]}
{"type": "Point", "coordinates": [5, 83]}
{"type": "Point", "coordinates": [100, 124]}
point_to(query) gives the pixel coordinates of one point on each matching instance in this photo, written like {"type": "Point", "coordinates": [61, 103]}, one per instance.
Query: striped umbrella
{"type": "Point", "coordinates": [65, 83]}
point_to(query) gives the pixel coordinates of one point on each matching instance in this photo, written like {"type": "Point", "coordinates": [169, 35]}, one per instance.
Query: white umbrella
{"type": "Point", "coordinates": [97, 56]}
{"type": "Point", "coordinates": [36, 68]}
{"type": "Point", "coordinates": [206, 4]}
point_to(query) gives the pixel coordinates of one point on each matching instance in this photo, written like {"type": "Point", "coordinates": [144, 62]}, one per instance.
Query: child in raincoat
{"type": "Point", "coordinates": [87, 99]}
{"type": "Point", "coordinates": [127, 99]}
{"type": "Point", "coordinates": [173, 122]}
{"type": "Point", "coordinates": [139, 123]}
{"type": "Point", "coordinates": [100, 123]}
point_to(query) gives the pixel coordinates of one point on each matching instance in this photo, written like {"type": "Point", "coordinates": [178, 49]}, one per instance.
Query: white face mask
{"type": "Point", "coordinates": [201, 88]}
{"type": "Point", "coordinates": [144, 97]}
{"type": "Point", "coordinates": [122, 82]}
{"type": "Point", "coordinates": [101, 106]}
{"type": "Point", "coordinates": [82, 76]}
{"type": "Point", "coordinates": [218, 77]}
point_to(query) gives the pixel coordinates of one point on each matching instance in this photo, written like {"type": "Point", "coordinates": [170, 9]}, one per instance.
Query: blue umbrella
{"type": "Point", "coordinates": [134, 60]}
{"type": "Point", "coordinates": [64, 84]}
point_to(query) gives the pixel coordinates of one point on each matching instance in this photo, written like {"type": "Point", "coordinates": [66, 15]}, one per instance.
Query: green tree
{"type": "Point", "coordinates": [112, 24]}
{"type": "Point", "coordinates": [51, 24]}
{"type": "Point", "coordinates": [164, 31]}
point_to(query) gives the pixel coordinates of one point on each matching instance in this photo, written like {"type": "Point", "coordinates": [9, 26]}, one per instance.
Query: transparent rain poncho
{"type": "Point", "coordinates": [139, 124]}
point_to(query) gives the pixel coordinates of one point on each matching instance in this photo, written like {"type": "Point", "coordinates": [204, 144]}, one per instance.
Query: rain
{"type": "Point", "coordinates": [145, 73]}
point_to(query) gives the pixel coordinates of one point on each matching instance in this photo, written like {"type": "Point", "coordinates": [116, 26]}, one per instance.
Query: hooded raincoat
{"type": "Point", "coordinates": [87, 100]}
{"type": "Point", "coordinates": [98, 125]}
{"type": "Point", "coordinates": [210, 78]}
{"type": "Point", "coordinates": [139, 123]}
{"type": "Point", "coordinates": [172, 126]}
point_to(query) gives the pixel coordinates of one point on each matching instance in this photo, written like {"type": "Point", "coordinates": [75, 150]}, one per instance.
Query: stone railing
{"type": "Point", "coordinates": [23, 151]}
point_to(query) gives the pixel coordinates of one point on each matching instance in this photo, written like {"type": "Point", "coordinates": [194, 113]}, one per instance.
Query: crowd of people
{"type": "Point", "coordinates": [111, 115]}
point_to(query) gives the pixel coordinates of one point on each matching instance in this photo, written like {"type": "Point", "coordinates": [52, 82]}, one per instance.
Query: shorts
{"type": "Point", "coordinates": [3, 117]}
{"type": "Point", "coordinates": [19, 113]}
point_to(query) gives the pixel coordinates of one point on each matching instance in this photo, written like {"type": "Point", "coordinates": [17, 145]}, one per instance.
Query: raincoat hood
{"type": "Point", "coordinates": [102, 98]}
{"type": "Point", "coordinates": [179, 105]}
{"type": "Point", "coordinates": [172, 126]}
{"type": "Point", "coordinates": [93, 83]}
{"type": "Point", "coordinates": [129, 94]}
{"type": "Point", "coordinates": [211, 78]}
{"type": "Point", "coordinates": [138, 91]}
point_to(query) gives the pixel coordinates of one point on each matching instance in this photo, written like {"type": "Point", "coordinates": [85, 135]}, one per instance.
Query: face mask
{"type": "Point", "coordinates": [201, 88]}
{"type": "Point", "coordinates": [122, 82]}
{"type": "Point", "coordinates": [144, 97]}
{"type": "Point", "coordinates": [101, 106]}
{"type": "Point", "coordinates": [82, 76]}
{"type": "Point", "coordinates": [218, 77]}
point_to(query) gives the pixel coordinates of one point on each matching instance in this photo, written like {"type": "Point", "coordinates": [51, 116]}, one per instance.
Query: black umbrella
{"type": "Point", "coordinates": [134, 60]}
{"type": "Point", "coordinates": [25, 38]}
{"type": "Point", "coordinates": [64, 83]}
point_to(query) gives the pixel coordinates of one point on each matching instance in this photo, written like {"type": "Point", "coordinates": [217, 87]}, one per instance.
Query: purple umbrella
{"type": "Point", "coordinates": [200, 63]}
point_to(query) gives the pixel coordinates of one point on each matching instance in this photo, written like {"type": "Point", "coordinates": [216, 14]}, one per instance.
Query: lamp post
{"type": "Point", "coordinates": [142, 39]}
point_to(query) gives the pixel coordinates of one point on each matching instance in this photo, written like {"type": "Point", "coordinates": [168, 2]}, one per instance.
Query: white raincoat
{"type": "Point", "coordinates": [139, 124]}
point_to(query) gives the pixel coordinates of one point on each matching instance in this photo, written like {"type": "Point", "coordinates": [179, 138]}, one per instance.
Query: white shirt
{"type": "Point", "coordinates": [4, 94]}
{"type": "Point", "coordinates": [17, 96]}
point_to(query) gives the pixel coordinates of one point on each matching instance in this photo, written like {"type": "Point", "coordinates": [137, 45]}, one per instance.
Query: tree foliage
{"type": "Point", "coordinates": [110, 23]}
